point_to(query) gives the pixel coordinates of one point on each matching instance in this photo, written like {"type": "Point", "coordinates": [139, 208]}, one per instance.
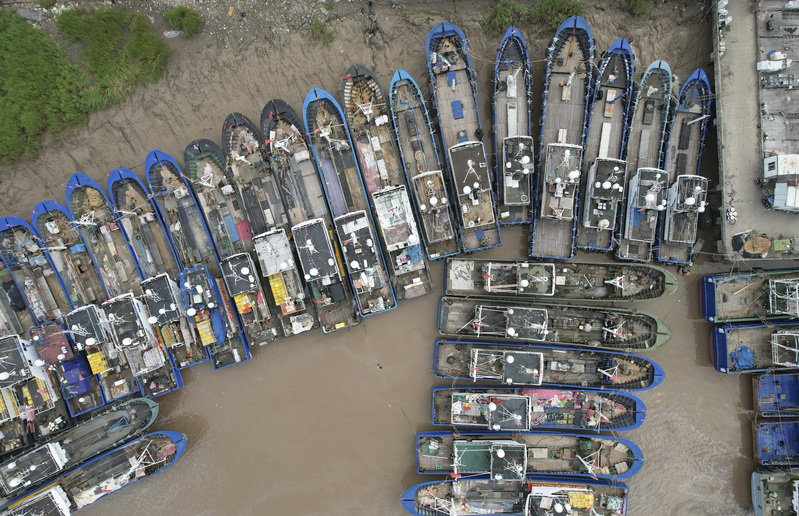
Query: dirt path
{"type": "Point", "coordinates": [239, 63]}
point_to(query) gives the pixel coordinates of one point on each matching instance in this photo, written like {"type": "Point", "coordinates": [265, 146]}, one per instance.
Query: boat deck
{"type": "Point", "coordinates": [744, 296]}
{"type": "Point", "coordinates": [515, 181]}
{"type": "Point", "coordinates": [565, 102]}
{"type": "Point", "coordinates": [260, 322]}
{"type": "Point", "coordinates": [649, 119]}
{"type": "Point", "coordinates": [608, 114]}
{"type": "Point", "coordinates": [559, 183]}
{"type": "Point", "coordinates": [646, 197]}
{"type": "Point", "coordinates": [472, 179]}
{"type": "Point", "coordinates": [606, 187]}
{"type": "Point", "coordinates": [454, 96]}
{"type": "Point", "coordinates": [740, 341]}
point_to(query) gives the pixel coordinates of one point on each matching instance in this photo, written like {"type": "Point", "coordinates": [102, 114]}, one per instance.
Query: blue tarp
{"type": "Point", "coordinates": [78, 377]}
{"type": "Point", "coordinates": [457, 109]}
{"type": "Point", "coordinates": [218, 324]}
{"type": "Point", "coordinates": [452, 78]}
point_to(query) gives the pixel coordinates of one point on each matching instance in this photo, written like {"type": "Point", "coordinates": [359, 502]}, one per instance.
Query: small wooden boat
{"type": "Point", "coordinates": [346, 196]}
{"type": "Point", "coordinates": [514, 409]}
{"type": "Point", "coordinates": [561, 366]}
{"type": "Point", "coordinates": [292, 162]}
{"type": "Point", "coordinates": [100, 229]}
{"type": "Point", "coordinates": [73, 261]}
{"type": "Point", "coordinates": [513, 139]}
{"type": "Point", "coordinates": [423, 171]}
{"type": "Point", "coordinates": [512, 456]}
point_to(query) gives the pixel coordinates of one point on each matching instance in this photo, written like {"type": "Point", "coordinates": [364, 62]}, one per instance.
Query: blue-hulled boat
{"type": "Point", "coordinates": [559, 366]}
{"type": "Point", "coordinates": [213, 317]}
{"type": "Point", "coordinates": [375, 144]}
{"type": "Point", "coordinates": [455, 99]}
{"type": "Point", "coordinates": [776, 394]}
{"type": "Point", "coordinates": [776, 442]}
{"type": "Point", "coordinates": [514, 148]}
{"type": "Point", "coordinates": [419, 154]}
{"type": "Point", "coordinates": [648, 185]}
{"type": "Point", "coordinates": [200, 282]}
{"type": "Point", "coordinates": [606, 178]}
{"type": "Point", "coordinates": [512, 456]}
{"type": "Point", "coordinates": [138, 215]}
{"type": "Point", "coordinates": [687, 196]}
{"type": "Point", "coordinates": [564, 125]}
{"type": "Point", "coordinates": [292, 162]}
{"type": "Point", "coordinates": [79, 388]}
{"type": "Point", "coordinates": [73, 261]}
{"type": "Point", "coordinates": [98, 225]}
{"type": "Point", "coordinates": [523, 409]}
{"type": "Point", "coordinates": [533, 496]}
{"type": "Point", "coordinates": [102, 476]}
{"type": "Point", "coordinates": [66, 450]}
{"type": "Point", "coordinates": [755, 295]}
{"type": "Point", "coordinates": [346, 197]}
{"type": "Point", "coordinates": [235, 202]}
{"type": "Point", "coordinates": [31, 271]}
{"type": "Point", "coordinates": [169, 320]}
{"type": "Point", "coordinates": [179, 209]}
{"type": "Point", "coordinates": [755, 347]}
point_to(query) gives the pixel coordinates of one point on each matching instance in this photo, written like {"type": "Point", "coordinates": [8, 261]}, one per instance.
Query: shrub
{"type": "Point", "coordinates": [553, 12]}
{"type": "Point", "coordinates": [637, 7]}
{"type": "Point", "coordinates": [502, 16]}
{"type": "Point", "coordinates": [320, 31]}
{"type": "Point", "coordinates": [185, 19]}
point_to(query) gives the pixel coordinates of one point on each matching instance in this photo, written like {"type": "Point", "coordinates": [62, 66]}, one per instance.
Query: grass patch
{"type": "Point", "coordinates": [45, 4]}
{"type": "Point", "coordinates": [328, 6]}
{"type": "Point", "coordinates": [40, 90]}
{"type": "Point", "coordinates": [185, 19]}
{"type": "Point", "coordinates": [554, 12]}
{"type": "Point", "coordinates": [637, 7]}
{"type": "Point", "coordinates": [502, 16]}
{"type": "Point", "coordinates": [120, 49]}
{"type": "Point", "coordinates": [320, 32]}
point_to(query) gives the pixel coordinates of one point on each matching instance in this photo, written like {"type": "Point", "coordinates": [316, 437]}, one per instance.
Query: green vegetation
{"type": "Point", "coordinates": [185, 19]}
{"type": "Point", "coordinates": [504, 14]}
{"type": "Point", "coordinates": [45, 4]}
{"type": "Point", "coordinates": [553, 12]}
{"type": "Point", "coordinates": [550, 12]}
{"type": "Point", "coordinates": [637, 7]}
{"type": "Point", "coordinates": [328, 6]}
{"type": "Point", "coordinates": [320, 31]}
{"type": "Point", "coordinates": [120, 49]}
{"type": "Point", "coordinates": [40, 90]}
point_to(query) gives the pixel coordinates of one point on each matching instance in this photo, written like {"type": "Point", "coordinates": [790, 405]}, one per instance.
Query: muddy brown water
{"type": "Point", "coordinates": [325, 424]}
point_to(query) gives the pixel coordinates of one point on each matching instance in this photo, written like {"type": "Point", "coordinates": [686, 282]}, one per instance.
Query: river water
{"type": "Point", "coordinates": [324, 424]}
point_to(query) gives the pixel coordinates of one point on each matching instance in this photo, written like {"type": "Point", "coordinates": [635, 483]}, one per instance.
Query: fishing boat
{"type": "Point", "coordinates": [648, 184]}
{"type": "Point", "coordinates": [54, 226]}
{"type": "Point", "coordinates": [455, 100]}
{"type": "Point", "coordinates": [513, 410]}
{"type": "Point", "coordinates": [512, 456]}
{"type": "Point", "coordinates": [139, 217]}
{"type": "Point", "coordinates": [346, 197]}
{"type": "Point", "coordinates": [776, 441]}
{"type": "Point", "coordinates": [381, 168]}
{"type": "Point", "coordinates": [573, 281]}
{"type": "Point", "coordinates": [423, 171]}
{"type": "Point", "coordinates": [178, 207]}
{"type": "Point", "coordinates": [68, 449]}
{"type": "Point", "coordinates": [90, 328]}
{"type": "Point", "coordinates": [276, 258]}
{"type": "Point", "coordinates": [171, 324]}
{"type": "Point", "coordinates": [532, 496]}
{"type": "Point", "coordinates": [210, 310]}
{"type": "Point", "coordinates": [774, 490]}
{"type": "Point", "coordinates": [517, 321]}
{"type": "Point", "coordinates": [776, 394]}
{"type": "Point", "coordinates": [564, 124]}
{"type": "Point", "coordinates": [687, 190]}
{"type": "Point", "coordinates": [242, 285]}
{"type": "Point", "coordinates": [560, 366]}
{"type": "Point", "coordinates": [27, 393]}
{"type": "Point", "coordinates": [750, 296]}
{"type": "Point", "coordinates": [31, 270]}
{"type": "Point", "coordinates": [292, 162]}
{"type": "Point", "coordinates": [102, 476]}
{"type": "Point", "coordinates": [513, 127]}
{"type": "Point", "coordinates": [755, 347]}
{"type": "Point", "coordinates": [143, 352]}
{"type": "Point", "coordinates": [321, 264]}
{"type": "Point", "coordinates": [78, 386]}
{"type": "Point", "coordinates": [99, 228]}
